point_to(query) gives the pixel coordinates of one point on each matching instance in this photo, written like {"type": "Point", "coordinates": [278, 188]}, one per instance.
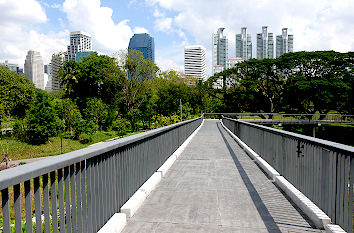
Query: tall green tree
{"type": "Point", "coordinates": [16, 93]}
{"type": "Point", "coordinates": [96, 76]}
{"type": "Point", "coordinates": [316, 82]}
{"type": "Point", "coordinates": [138, 71]}
{"type": "Point", "coordinates": [42, 120]}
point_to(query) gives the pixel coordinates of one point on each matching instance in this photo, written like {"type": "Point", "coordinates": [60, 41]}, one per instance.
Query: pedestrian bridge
{"type": "Point", "coordinates": [194, 176]}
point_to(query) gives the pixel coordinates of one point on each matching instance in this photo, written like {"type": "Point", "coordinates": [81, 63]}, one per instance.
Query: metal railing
{"type": "Point", "coordinates": [320, 169]}
{"type": "Point", "coordinates": [79, 191]}
{"type": "Point", "coordinates": [287, 116]}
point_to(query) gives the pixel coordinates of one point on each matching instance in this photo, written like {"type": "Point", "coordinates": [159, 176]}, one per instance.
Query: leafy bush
{"type": "Point", "coordinates": [19, 130]}
{"type": "Point", "coordinates": [42, 120]}
{"type": "Point", "coordinates": [121, 125]}
{"type": "Point", "coordinates": [160, 120]}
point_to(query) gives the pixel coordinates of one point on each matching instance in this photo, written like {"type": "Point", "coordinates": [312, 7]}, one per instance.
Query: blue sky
{"type": "Point", "coordinates": [44, 25]}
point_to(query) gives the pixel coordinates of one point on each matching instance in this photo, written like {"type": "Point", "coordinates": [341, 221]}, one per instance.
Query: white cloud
{"type": "Point", "coordinates": [91, 17]}
{"type": "Point", "coordinates": [163, 24]}
{"type": "Point", "coordinates": [316, 25]}
{"type": "Point", "coordinates": [140, 30]}
{"type": "Point", "coordinates": [16, 20]}
{"type": "Point", "coordinates": [55, 6]}
{"type": "Point", "coordinates": [168, 64]}
{"type": "Point", "coordinates": [21, 11]}
{"type": "Point", "coordinates": [158, 13]}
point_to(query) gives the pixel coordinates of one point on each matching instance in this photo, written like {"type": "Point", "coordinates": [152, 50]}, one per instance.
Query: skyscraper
{"type": "Point", "coordinates": [34, 68]}
{"type": "Point", "coordinates": [220, 49]}
{"type": "Point", "coordinates": [285, 43]}
{"type": "Point", "coordinates": [79, 41]}
{"type": "Point", "coordinates": [195, 61]}
{"type": "Point", "coordinates": [144, 43]}
{"type": "Point", "coordinates": [57, 63]}
{"type": "Point", "coordinates": [265, 44]}
{"type": "Point", "coordinates": [244, 44]}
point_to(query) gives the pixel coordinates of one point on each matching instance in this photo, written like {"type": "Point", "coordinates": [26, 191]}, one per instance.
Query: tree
{"type": "Point", "coordinates": [137, 71]}
{"type": "Point", "coordinates": [317, 81]}
{"type": "Point", "coordinates": [16, 93]}
{"type": "Point", "coordinates": [95, 112]}
{"type": "Point", "coordinates": [68, 75]}
{"type": "Point", "coordinates": [69, 113]}
{"type": "Point", "coordinates": [96, 76]}
{"type": "Point", "coordinates": [42, 120]}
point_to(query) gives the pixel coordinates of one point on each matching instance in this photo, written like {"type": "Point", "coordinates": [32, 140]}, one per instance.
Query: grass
{"type": "Point", "coordinates": [22, 150]}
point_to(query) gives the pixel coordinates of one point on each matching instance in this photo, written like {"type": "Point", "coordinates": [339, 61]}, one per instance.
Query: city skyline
{"type": "Point", "coordinates": [46, 25]}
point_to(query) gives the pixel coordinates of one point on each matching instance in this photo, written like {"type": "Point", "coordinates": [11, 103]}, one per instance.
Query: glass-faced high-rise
{"type": "Point", "coordinates": [244, 44]}
{"type": "Point", "coordinates": [285, 43]}
{"type": "Point", "coordinates": [144, 43]}
{"type": "Point", "coordinates": [220, 49]}
{"type": "Point", "coordinates": [265, 44]}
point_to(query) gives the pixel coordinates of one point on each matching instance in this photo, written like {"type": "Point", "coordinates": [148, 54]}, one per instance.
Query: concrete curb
{"type": "Point", "coordinates": [243, 145]}
{"type": "Point", "coordinates": [115, 224]}
{"type": "Point", "coordinates": [180, 149]}
{"type": "Point", "coordinates": [132, 205]}
{"type": "Point", "coordinates": [261, 162]}
{"type": "Point", "coordinates": [151, 183]}
{"type": "Point", "coordinates": [267, 168]}
{"type": "Point", "coordinates": [166, 166]}
{"type": "Point", "coordinates": [135, 201]}
{"type": "Point", "coordinates": [334, 229]}
{"type": "Point", "coordinates": [319, 218]}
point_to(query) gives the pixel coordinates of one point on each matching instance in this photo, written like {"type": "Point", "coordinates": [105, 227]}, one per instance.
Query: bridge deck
{"type": "Point", "coordinates": [215, 187]}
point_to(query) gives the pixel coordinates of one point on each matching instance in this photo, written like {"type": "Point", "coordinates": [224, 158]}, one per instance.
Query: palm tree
{"type": "Point", "coordinates": [68, 76]}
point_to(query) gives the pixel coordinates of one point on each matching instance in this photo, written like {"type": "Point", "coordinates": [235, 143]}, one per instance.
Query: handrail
{"type": "Point", "coordinates": [86, 187]}
{"type": "Point", "coordinates": [24, 172]}
{"type": "Point", "coordinates": [322, 170]}
{"type": "Point", "coordinates": [321, 142]}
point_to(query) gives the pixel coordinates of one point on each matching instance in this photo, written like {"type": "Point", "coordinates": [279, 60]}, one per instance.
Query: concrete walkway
{"type": "Point", "coordinates": [215, 187]}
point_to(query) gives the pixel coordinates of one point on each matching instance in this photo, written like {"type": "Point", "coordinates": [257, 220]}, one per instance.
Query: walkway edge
{"type": "Point", "coordinates": [115, 224]}
{"type": "Point", "coordinates": [132, 205]}
{"type": "Point", "coordinates": [317, 216]}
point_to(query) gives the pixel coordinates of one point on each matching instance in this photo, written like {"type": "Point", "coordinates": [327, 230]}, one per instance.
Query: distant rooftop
{"type": "Point", "coordinates": [195, 47]}
{"type": "Point", "coordinates": [80, 32]}
{"type": "Point", "coordinates": [235, 58]}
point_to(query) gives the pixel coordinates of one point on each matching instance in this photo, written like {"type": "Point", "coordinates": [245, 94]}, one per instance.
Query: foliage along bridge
{"type": "Point", "coordinates": [194, 176]}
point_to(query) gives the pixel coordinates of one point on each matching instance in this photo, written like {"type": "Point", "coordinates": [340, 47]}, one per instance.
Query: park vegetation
{"type": "Point", "coordinates": [301, 82]}
{"type": "Point", "coordinates": [127, 93]}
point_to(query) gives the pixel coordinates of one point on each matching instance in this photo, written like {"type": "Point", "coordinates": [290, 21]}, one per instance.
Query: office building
{"type": "Point", "coordinates": [34, 68]}
{"type": "Point", "coordinates": [220, 49]}
{"type": "Point", "coordinates": [232, 61]}
{"type": "Point", "coordinates": [285, 43]}
{"type": "Point", "coordinates": [56, 64]}
{"type": "Point", "coordinates": [11, 66]}
{"type": "Point", "coordinates": [80, 55]}
{"type": "Point", "coordinates": [265, 44]}
{"type": "Point", "coordinates": [144, 43]}
{"type": "Point", "coordinates": [79, 41]}
{"type": "Point", "coordinates": [48, 69]}
{"type": "Point", "coordinates": [244, 44]}
{"type": "Point", "coordinates": [218, 69]}
{"type": "Point", "coordinates": [195, 61]}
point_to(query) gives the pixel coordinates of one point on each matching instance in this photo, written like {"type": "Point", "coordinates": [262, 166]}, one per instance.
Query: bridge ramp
{"type": "Point", "coordinates": [214, 186]}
